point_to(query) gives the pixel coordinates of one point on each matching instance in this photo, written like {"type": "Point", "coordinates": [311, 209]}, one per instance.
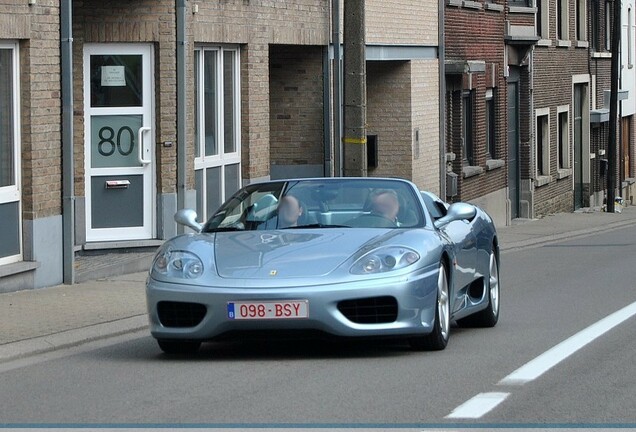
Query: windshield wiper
{"type": "Point", "coordinates": [317, 225]}
{"type": "Point", "coordinates": [225, 229]}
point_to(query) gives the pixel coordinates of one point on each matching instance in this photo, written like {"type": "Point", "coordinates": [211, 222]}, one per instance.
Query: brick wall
{"type": "Point", "coordinates": [38, 29]}
{"type": "Point", "coordinates": [554, 67]}
{"type": "Point", "coordinates": [402, 21]}
{"type": "Point", "coordinates": [476, 34]}
{"type": "Point", "coordinates": [425, 117]}
{"type": "Point", "coordinates": [389, 116]}
{"type": "Point", "coordinates": [296, 105]}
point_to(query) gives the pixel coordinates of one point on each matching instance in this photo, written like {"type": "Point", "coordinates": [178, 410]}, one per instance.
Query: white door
{"type": "Point", "coordinates": [119, 141]}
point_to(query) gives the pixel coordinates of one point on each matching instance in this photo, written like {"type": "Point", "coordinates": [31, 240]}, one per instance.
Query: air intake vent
{"type": "Point", "coordinates": [373, 310]}
{"type": "Point", "coordinates": [180, 314]}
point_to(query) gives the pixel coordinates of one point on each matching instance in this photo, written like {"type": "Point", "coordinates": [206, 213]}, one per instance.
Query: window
{"type": "Point", "coordinates": [594, 23]}
{"type": "Point", "coordinates": [519, 3]}
{"type": "Point", "coordinates": [543, 19]}
{"type": "Point", "coordinates": [630, 45]}
{"type": "Point", "coordinates": [10, 204]}
{"type": "Point", "coordinates": [608, 26]}
{"type": "Point", "coordinates": [490, 124]}
{"type": "Point", "coordinates": [543, 144]}
{"type": "Point", "coordinates": [217, 160]}
{"type": "Point", "coordinates": [581, 20]}
{"type": "Point", "coordinates": [563, 135]}
{"type": "Point", "coordinates": [562, 20]}
{"type": "Point", "coordinates": [467, 127]}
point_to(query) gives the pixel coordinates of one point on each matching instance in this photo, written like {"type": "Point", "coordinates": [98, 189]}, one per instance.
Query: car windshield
{"type": "Point", "coordinates": [351, 203]}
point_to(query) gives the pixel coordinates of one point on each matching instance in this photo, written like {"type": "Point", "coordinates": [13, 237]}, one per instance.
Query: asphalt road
{"type": "Point", "coordinates": [549, 294]}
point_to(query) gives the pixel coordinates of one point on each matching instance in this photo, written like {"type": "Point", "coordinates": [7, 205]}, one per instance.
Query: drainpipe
{"type": "Point", "coordinates": [68, 192]}
{"type": "Point", "coordinates": [337, 88]}
{"type": "Point", "coordinates": [442, 99]}
{"type": "Point", "coordinates": [181, 107]}
{"type": "Point", "coordinates": [326, 115]}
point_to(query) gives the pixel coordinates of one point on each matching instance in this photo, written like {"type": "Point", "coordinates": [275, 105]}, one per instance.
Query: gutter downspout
{"type": "Point", "coordinates": [337, 89]}
{"type": "Point", "coordinates": [68, 187]}
{"type": "Point", "coordinates": [442, 100]}
{"type": "Point", "coordinates": [181, 107]}
{"type": "Point", "coordinates": [326, 114]}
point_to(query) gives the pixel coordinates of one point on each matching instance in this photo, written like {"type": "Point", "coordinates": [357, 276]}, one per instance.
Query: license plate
{"type": "Point", "coordinates": [287, 309]}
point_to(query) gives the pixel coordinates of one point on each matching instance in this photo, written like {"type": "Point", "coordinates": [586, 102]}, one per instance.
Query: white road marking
{"type": "Point", "coordinates": [478, 406]}
{"type": "Point", "coordinates": [543, 363]}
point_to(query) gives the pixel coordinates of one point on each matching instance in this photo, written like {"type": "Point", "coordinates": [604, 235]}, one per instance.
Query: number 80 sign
{"type": "Point", "coordinates": [114, 140]}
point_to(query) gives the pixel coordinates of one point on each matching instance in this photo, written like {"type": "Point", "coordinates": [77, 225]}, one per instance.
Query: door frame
{"type": "Point", "coordinates": [13, 193]}
{"type": "Point", "coordinates": [148, 230]}
{"type": "Point", "coordinates": [515, 202]}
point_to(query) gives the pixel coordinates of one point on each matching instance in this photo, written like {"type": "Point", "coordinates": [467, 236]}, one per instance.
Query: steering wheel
{"type": "Point", "coordinates": [374, 220]}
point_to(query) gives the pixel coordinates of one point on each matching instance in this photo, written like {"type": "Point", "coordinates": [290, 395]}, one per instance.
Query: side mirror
{"type": "Point", "coordinates": [457, 211]}
{"type": "Point", "coordinates": [188, 217]}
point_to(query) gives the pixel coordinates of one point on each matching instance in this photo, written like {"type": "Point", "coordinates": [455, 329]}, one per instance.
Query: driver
{"type": "Point", "coordinates": [385, 203]}
{"type": "Point", "coordinates": [289, 210]}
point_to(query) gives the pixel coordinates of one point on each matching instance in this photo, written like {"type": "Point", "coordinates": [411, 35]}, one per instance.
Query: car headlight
{"type": "Point", "coordinates": [178, 264]}
{"type": "Point", "coordinates": [384, 260]}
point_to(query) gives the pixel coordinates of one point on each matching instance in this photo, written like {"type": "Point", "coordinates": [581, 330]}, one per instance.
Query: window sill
{"type": "Point", "coordinates": [471, 171]}
{"type": "Point", "coordinates": [494, 7]}
{"type": "Point", "coordinates": [603, 55]}
{"type": "Point", "coordinates": [542, 180]}
{"type": "Point", "coordinates": [17, 268]}
{"type": "Point", "coordinates": [522, 9]}
{"type": "Point", "coordinates": [492, 164]}
{"type": "Point", "coordinates": [469, 4]}
{"type": "Point", "coordinates": [564, 173]}
{"type": "Point", "coordinates": [544, 43]}
{"type": "Point", "coordinates": [582, 44]}
{"type": "Point", "coordinates": [455, 3]}
{"type": "Point", "coordinates": [564, 43]}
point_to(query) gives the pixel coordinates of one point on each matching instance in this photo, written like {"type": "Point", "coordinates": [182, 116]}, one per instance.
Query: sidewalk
{"type": "Point", "coordinates": [42, 320]}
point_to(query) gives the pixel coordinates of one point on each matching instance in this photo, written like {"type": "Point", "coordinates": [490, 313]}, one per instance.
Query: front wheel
{"type": "Point", "coordinates": [438, 338]}
{"type": "Point", "coordinates": [178, 347]}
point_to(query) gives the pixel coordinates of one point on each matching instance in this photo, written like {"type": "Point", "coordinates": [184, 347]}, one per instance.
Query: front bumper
{"type": "Point", "coordinates": [416, 295]}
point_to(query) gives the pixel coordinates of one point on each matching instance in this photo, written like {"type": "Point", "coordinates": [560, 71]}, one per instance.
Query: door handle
{"type": "Point", "coordinates": [143, 151]}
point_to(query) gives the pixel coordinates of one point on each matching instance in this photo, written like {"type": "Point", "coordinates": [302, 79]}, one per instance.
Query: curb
{"type": "Point", "coordinates": [71, 338]}
{"type": "Point", "coordinates": [540, 241]}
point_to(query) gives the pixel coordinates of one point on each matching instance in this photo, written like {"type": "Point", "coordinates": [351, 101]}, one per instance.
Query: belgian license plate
{"type": "Point", "coordinates": [285, 309]}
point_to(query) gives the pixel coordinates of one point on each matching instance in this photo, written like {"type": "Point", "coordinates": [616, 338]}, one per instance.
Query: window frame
{"type": "Point", "coordinates": [563, 138]}
{"type": "Point", "coordinates": [220, 159]}
{"type": "Point", "coordinates": [542, 159]}
{"type": "Point", "coordinates": [581, 20]}
{"type": "Point", "coordinates": [608, 26]}
{"type": "Point", "coordinates": [468, 144]}
{"type": "Point", "coordinates": [595, 14]}
{"type": "Point", "coordinates": [13, 193]}
{"type": "Point", "coordinates": [491, 123]}
{"type": "Point", "coordinates": [562, 20]}
{"type": "Point", "coordinates": [543, 19]}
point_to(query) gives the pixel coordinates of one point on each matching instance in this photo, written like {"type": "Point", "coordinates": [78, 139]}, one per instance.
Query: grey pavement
{"type": "Point", "coordinates": [47, 319]}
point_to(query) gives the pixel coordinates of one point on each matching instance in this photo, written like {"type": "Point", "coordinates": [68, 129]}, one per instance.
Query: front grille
{"type": "Point", "coordinates": [373, 310]}
{"type": "Point", "coordinates": [180, 314]}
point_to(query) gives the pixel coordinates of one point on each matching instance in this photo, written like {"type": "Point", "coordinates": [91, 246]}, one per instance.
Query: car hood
{"type": "Point", "coordinates": [292, 253]}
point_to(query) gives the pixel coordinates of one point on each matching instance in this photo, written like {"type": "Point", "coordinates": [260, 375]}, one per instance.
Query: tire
{"type": "Point", "coordinates": [487, 317]}
{"type": "Point", "coordinates": [438, 338]}
{"type": "Point", "coordinates": [178, 347]}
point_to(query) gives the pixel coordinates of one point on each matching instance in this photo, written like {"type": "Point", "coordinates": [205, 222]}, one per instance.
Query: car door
{"type": "Point", "coordinates": [461, 236]}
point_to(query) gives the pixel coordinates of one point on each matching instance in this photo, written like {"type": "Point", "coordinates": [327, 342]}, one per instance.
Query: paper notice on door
{"type": "Point", "coordinates": [113, 76]}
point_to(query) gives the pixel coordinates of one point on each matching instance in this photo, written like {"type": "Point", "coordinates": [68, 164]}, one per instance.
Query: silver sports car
{"type": "Point", "coordinates": [341, 256]}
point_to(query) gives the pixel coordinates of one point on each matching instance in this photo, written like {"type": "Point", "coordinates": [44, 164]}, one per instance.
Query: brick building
{"type": "Point", "coordinates": [572, 65]}
{"type": "Point", "coordinates": [179, 103]}
{"type": "Point", "coordinates": [487, 47]}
